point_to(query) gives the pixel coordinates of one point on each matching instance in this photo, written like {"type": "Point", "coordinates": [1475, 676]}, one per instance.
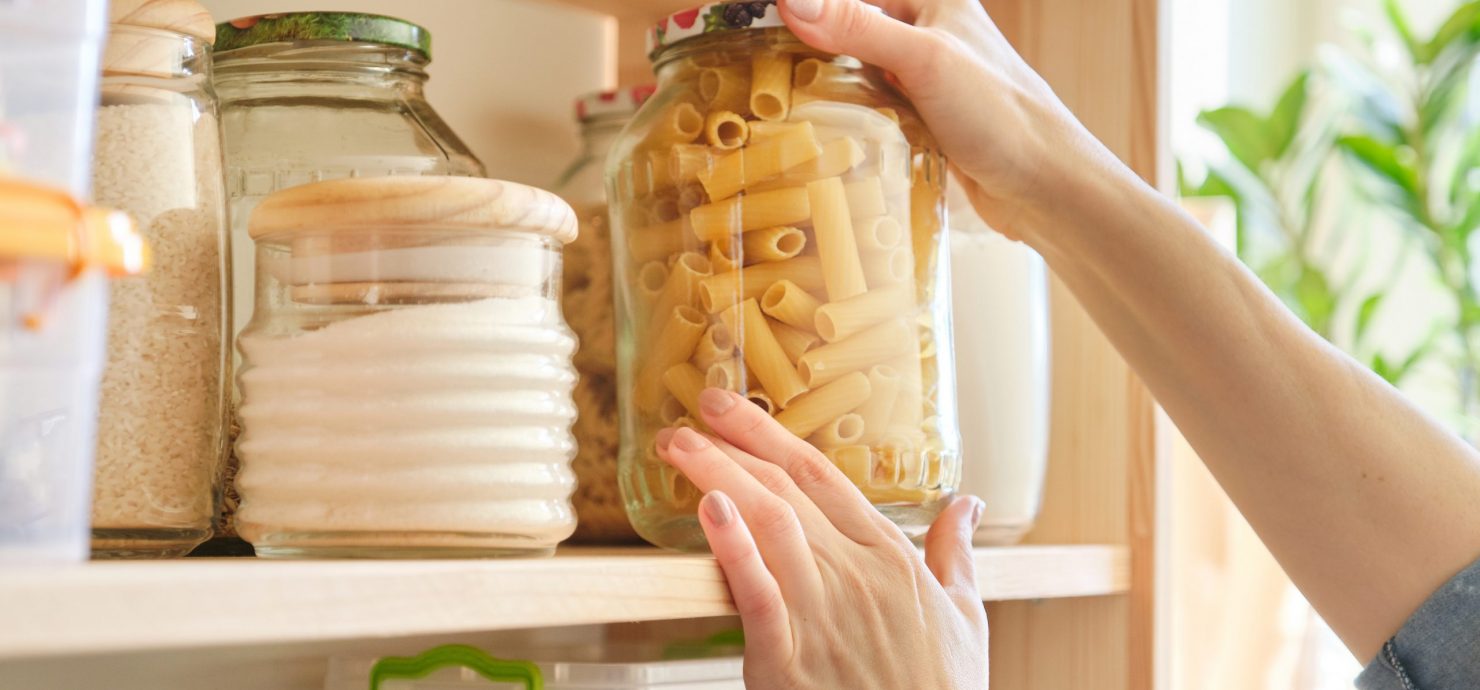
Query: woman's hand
{"type": "Point", "coordinates": [831, 594]}
{"type": "Point", "coordinates": [1007, 136]}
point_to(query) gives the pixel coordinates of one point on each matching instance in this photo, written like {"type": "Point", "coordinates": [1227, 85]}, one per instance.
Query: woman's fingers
{"type": "Point", "coordinates": [852, 27]}
{"type": "Point", "coordinates": [778, 533]}
{"type": "Point", "coordinates": [763, 611]}
{"type": "Point", "coordinates": [751, 430]}
{"type": "Point", "coordinates": [948, 548]}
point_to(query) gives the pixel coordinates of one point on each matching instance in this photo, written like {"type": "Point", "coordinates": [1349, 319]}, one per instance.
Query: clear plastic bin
{"type": "Point", "coordinates": [53, 317]}
{"type": "Point", "coordinates": [458, 667]}
{"type": "Point", "coordinates": [49, 51]}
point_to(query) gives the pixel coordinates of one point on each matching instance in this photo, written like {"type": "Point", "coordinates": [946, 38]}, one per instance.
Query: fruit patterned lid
{"type": "Point", "coordinates": [710, 18]}
{"type": "Point", "coordinates": [612, 103]}
{"type": "Point", "coordinates": [285, 27]}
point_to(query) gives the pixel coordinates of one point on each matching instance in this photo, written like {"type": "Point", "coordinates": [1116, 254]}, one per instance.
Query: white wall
{"type": "Point", "coordinates": [503, 73]}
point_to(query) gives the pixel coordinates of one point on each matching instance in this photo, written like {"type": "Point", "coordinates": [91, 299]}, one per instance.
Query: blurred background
{"type": "Point", "coordinates": [1333, 145]}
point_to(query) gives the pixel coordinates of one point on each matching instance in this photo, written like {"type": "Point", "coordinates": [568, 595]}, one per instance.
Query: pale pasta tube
{"type": "Point", "coordinates": [670, 411]}
{"type": "Point", "coordinates": [814, 409]}
{"type": "Point", "coordinates": [839, 320]}
{"type": "Point", "coordinates": [681, 123]}
{"type": "Point", "coordinates": [761, 399]}
{"type": "Point", "coordinates": [650, 280]}
{"type": "Point", "coordinates": [856, 462]}
{"type": "Point", "coordinates": [880, 233]}
{"type": "Point", "coordinates": [665, 208]}
{"type": "Point", "coordinates": [837, 158]}
{"type": "Point", "coordinates": [725, 130]}
{"type": "Point", "coordinates": [759, 162]}
{"type": "Point", "coordinates": [726, 88]}
{"type": "Point", "coordinates": [770, 85]}
{"type": "Point", "coordinates": [716, 345]}
{"type": "Point", "coordinates": [812, 73]}
{"type": "Point", "coordinates": [832, 226]}
{"type": "Point", "coordinates": [682, 286]}
{"type": "Point", "coordinates": [660, 170]}
{"type": "Point", "coordinates": [794, 341]}
{"type": "Point", "coordinates": [659, 241]}
{"type": "Point", "coordinates": [720, 261]}
{"type": "Point", "coordinates": [772, 244]}
{"type": "Point", "coordinates": [675, 343]}
{"type": "Point", "coordinates": [690, 197]}
{"type": "Point", "coordinates": [878, 410]}
{"type": "Point", "coordinates": [866, 197]}
{"type": "Point", "coordinates": [761, 130]}
{"type": "Point", "coordinates": [927, 207]}
{"type": "Point", "coordinates": [788, 303]}
{"type": "Point", "coordinates": [763, 354]}
{"type": "Point", "coordinates": [724, 290]}
{"type": "Point", "coordinates": [876, 345]}
{"type": "Point", "coordinates": [685, 381]}
{"type": "Point", "coordinates": [889, 267]}
{"type": "Point", "coordinates": [731, 375]}
{"type": "Point", "coordinates": [735, 215]}
{"type": "Point", "coordinates": [909, 406]}
{"type": "Point", "coordinates": [843, 431]}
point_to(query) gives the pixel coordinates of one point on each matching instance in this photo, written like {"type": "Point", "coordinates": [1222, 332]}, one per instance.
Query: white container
{"type": "Point", "coordinates": [53, 318]}
{"type": "Point", "coordinates": [49, 52]}
{"type": "Point", "coordinates": [463, 668]}
{"type": "Point", "coordinates": [1000, 290]}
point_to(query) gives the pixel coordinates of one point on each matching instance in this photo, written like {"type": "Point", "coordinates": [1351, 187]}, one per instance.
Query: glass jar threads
{"type": "Point", "coordinates": [158, 157]}
{"type": "Point", "coordinates": [406, 378]}
{"type": "Point", "coordinates": [778, 217]}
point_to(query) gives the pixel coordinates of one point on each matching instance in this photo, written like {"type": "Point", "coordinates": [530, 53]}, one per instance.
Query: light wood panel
{"type": "Point", "coordinates": [1101, 57]}
{"type": "Point", "coordinates": [111, 607]}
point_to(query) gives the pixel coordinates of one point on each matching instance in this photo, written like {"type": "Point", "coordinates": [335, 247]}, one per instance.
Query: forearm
{"type": "Point", "coordinates": [1368, 504]}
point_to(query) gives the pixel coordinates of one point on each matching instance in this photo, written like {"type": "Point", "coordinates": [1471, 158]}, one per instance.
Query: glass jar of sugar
{"type": "Point", "coordinates": [406, 376]}
{"type": "Point", "coordinates": [158, 157]}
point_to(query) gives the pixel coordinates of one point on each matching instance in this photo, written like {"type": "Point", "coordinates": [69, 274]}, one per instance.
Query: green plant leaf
{"type": "Point", "coordinates": [1213, 185]}
{"type": "Point", "coordinates": [1318, 303]}
{"type": "Point", "coordinates": [1284, 122]}
{"type": "Point", "coordinates": [1462, 27]}
{"type": "Point", "coordinates": [1464, 187]}
{"type": "Point", "coordinates": [1243, 132]}
{"type": "Point", "coordinates": [1366, 312]}
{"type": "Point", "coordinates": [1385, 161]}
{"type": "Point", "coordinates": [1399, 22]}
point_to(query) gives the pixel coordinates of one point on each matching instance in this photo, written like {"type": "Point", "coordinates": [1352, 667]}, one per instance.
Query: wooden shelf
{"type": "Point", "coordinates": [142, 606]}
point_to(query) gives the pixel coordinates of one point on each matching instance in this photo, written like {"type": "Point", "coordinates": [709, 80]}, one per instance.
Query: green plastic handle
{"type": "Point", "coordinates": [455, 655]}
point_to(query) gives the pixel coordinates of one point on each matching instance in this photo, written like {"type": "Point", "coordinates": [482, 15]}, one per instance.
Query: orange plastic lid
{"type": "Point", "coordinates": [44, 224]}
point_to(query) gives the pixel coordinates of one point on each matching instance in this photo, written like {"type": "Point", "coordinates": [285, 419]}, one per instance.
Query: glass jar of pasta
{"type": "Point", "coordinates": [778, 217]}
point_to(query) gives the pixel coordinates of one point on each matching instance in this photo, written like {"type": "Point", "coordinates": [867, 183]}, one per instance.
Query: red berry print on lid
{"type": "Point", "coordinates": [685, 19]}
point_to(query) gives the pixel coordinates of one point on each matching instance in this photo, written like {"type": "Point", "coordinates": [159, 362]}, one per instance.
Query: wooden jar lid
{"type": "Point", "coordinates": [153, 56]}
{"type": "Point", "coordinates": [435, 202]}
{"type": "Point", "coordinates": [186, 17]}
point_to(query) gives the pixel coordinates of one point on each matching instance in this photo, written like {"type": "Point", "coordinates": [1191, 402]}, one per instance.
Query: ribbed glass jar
{"type": "Point", "coordinates": [778, 218]}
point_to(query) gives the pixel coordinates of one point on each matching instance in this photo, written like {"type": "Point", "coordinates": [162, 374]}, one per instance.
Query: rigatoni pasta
{"type": "Point", "coordinates": [770, 85]}
{"type": "Point", "coordinates": [788, 303]}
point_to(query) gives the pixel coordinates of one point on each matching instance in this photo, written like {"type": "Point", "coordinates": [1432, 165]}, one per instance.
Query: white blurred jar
{"type": "Point", "coordinates": [1000, 291]}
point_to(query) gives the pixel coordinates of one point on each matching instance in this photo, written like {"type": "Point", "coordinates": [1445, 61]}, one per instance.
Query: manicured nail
{"type": "Point", "coordinates": [690, 440]}
{"type": "Point", "coordinates": [977, 508]}
{"type": "Point", "coordinates": [805, 10]}
{"type": "Point", "coordinates": [719, 508]}
{"type": "Point", "coordinates": [715, 401]}
{"type": "Point", "coordinates": [665, 436]}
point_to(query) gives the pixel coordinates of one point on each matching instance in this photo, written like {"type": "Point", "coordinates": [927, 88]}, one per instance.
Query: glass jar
{"type": "Point", "coordinates": [158, 156]}
{"type": "Point", "coordinates": [53, 314]}
{"type": "Point", "coordinates": [778, 217]}
{"type": "Point", "coordinates": [310, 96]}
{"type": "Point", "coordinates": [406, 378]}
{"type": "Point", "coordinates": [587, 296]}
{"type": "Point", "coordinates": [1003, 357]}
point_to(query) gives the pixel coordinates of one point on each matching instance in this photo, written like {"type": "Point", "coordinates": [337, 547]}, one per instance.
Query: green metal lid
{"type": "Point", "coordinates": [322, 26]}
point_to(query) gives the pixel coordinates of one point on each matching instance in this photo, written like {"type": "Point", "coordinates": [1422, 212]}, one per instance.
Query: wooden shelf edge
{"type": "Point", "coordinates": [119, 607]}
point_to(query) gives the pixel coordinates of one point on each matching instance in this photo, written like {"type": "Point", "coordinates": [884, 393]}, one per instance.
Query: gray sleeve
{"type": "Point", "coordinates": [1439, 647]}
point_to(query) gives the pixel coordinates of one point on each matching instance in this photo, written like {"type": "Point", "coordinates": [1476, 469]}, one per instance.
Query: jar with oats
{"type": "Point", "coordinates": [158, 157]}
{"type": "Point", "coordinates": [586, 294]}
{"type": "Point", "coordinates": [778, 220]}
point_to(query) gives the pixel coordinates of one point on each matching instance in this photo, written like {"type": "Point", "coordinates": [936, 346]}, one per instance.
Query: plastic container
{"type": "Point", "coordinates": [53, 315]}
{"type": "Point", "coordinates": [406, 378]}
{"type": "Point", "coordinates": [451, 667]}
{"type": "Point", "coordinates": [158, 157]}
{"type": "Point", "coordinates": [312, 96]}
{"type": "Point", "coordinates": [1003, 356]}
{"type": "Point", "coordinates": [48, 88]}
{"type": "Point", "coordinates": [778, 215]}
{"type": "Point", "coordinates": [587, 296]}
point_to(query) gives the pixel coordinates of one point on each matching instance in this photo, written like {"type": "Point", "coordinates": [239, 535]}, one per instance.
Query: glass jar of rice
{"type": "Point", "coordinates": [778, 220]}
{"type": "Point", "coordinates": [406, 376]}
{"type": "Point", "coordinates": [158, 157]}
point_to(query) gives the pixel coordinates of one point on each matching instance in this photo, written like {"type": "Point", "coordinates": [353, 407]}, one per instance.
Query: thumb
{"type": "Point", "coordinates": [948, 545]}
{"type": "Point", "coordinates": [852, 27]}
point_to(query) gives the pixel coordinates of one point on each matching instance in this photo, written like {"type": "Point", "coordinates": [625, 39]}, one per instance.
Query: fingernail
{"type": "Point", "coordinates": [690, 440]}
{"type": "Point", "coordinates": [977, 508]}
{"type": "Point", "coordinates": [719, 508]}
{"type": "Point", "coordinates": [665, 436]}
{"type": "Point", "coordinates": [715, 401]}
{"type": "Point", "coordinates": [805, 10]}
